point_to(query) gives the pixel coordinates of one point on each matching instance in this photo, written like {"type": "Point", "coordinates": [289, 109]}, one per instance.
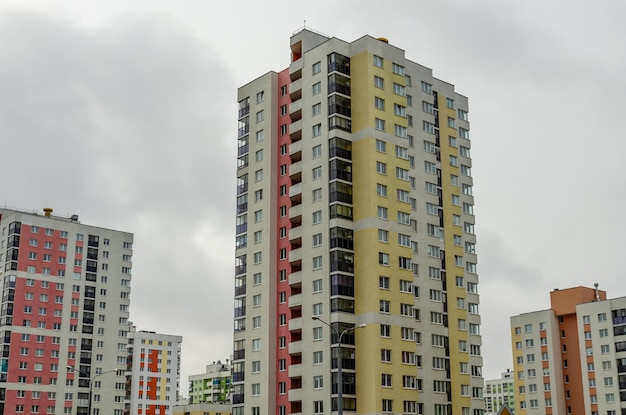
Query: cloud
{"type": "Point", "coordinates": [129, 121]}
{"type": "Point", "coordinates": [129, 126]}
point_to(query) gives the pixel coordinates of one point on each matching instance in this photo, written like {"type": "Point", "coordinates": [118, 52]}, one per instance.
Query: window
{"type": "Point", "coordinates": [383, 259]}
{"type": "Point", "coordinates": [318, 358]}
{"type": "Point", "coordinates": [317, 194]}
{"type": "Point", "coordinates": [258, 195]}
{"type": "Point", "coordinates": [381, 146]}
{"type": "Point", "coordinates": [385, 380]}
{"type": "Point", "coordinates": [316, 109]}
{"type": "Point", "coordinates": [317, 151]}
{"type": "Point", "coordinates": [381, 190]}
{"type": "Point", "coordinates": [317, 239]}
{"type": "Point", "coordinates": [404, 218]}
{"type": "Point", "coordinates": [382, 212]}
{"type": "Point", "coordinates": [256, 366]}
{"type": "Point", "coordinates": [379, 124]}
{"type": "Point", "coordinates": [378, 61]}
{"type": "Point", "coordinates": [384, 306]}
{"type": "Point", "coordinates": [318, 333]}
{"type": "Point", "coordinates": [317, 262]}
{"type": "Point", "coordinates": [317, 217]}
{"type": "Point", "coordinates": [379, 82]}
{"type": "Point", "coordinates": [383, 282]}
{"type": "Point", "coordinates": [317, 286]}
{"type": "Point", "coordinates": [317, 130]}
{"type": "Point", "coordinates": [318, 407]}
{"type": "Point", "coordinates": [316, 68]}
{"type": "Point", "coordinates": [383, 235]}
{"type": "Point", "coordinates": [407, 332]}
{"type": "Point", "coordinates": [400, 131]}
{"type": "Point", "coordinates": [429, 127]}
{"type": "Point", "coordinates": [317, 88]}
{"type": "Point", "coordinates": [427, 88]}
{"type": "Point", "coordinates": [381, 168]}
{"type": "Point", "coordinates": [385, 355]}
{"type": "Point", "coordinates": [404, 240]}
{"type": "Point", "coordinates": [259, 116]}
{"type": "Point", "coordinates": [318, 382]}
{"type": "Point", "coordinates": [385, 330]}
{"type": "Point", "coordinates": [402, 174]}
{"type": "Point", "coordinates": [398, 89]}
{"type": "Point", "coordinates": [317, 172]}
{"type": "Point", "coordinates": [430, 167]}
{"type": "Point", "coordinates": [379, 103]}
{"type": "Point", "coordinates": [397, 69]}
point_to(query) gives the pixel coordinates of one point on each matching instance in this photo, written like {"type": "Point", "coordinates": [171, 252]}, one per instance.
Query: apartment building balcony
{"type": "Point", "coordinates": [295, 217]}
{"type": "Point", "coordinates": [295, 172]}
{"type": "Point", "coordinates": [295, 256]}
{"type": "Point", "coordinates": [295, 69]}
{"type": "Point", "coordinates": [295, 279]}
{"type": "Point", "coordinates": [295, 395]}
{"type": "Point", "coordinates": [295, 130]}
{"type": "Point", "coordinates": [295, 110]}
{"type": "Point", "coordinates": [295, 371]}
{"type": "Point", "coordinates": [295, 151]}
{"type": "Point", "coordinates": [295, 324]}
{"type": "Point", "coordinates": [295, 194]}
{"type": "Point", "coordinates": [295, 301]}
{"type": "Point", "coordinates": [296, 243]}
{"type": "Point", "coordinates": [295, 233]}
{"type": "Point", "coordinates": [295, 347]}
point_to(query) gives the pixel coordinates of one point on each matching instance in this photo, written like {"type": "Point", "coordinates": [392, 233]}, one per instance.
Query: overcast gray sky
{"type": "Point", "coordinates": [125, 113]}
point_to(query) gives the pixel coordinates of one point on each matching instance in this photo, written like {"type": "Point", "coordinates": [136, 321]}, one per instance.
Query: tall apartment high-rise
{"type": "Point", "coordinates": [65, 305]}
{"type": "Point", "coordinates": [571, 358]}
{"type": "Point", "coordinates": [354, 204]}
{"type": "Point", "coordinates": [153, 376]}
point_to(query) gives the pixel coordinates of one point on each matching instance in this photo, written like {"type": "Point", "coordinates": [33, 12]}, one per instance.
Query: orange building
{"type": "Point", "coordinates": [571, 358]}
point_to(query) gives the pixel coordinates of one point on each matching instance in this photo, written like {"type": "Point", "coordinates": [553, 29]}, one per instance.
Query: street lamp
{"type": "Point", "coordinates": [91, 381]}
{"type": "Point", "coordinates": [339, 361]}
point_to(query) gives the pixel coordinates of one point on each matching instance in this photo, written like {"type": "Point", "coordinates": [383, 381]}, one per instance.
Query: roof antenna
{"type": "Point", "coordinates": [597, 293]}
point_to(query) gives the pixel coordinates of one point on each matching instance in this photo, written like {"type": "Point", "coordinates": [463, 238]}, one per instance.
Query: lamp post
{"type": "Point", "coordinates": [91, 381]}
{"type": "Point", "coordinates": [339, 362]}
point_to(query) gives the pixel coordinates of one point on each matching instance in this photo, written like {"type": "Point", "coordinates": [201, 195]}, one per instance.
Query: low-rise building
{"type": "Point", "coordinates": [571, 358]}
{"type": "Point", "coordinates": [499, 392]}
{"type": "Point", "coordinates": [213, 386]}
{"type": "Point", "coordinates": [153, 373]}
{"type": "Point", "coordinates": [203, 409]}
